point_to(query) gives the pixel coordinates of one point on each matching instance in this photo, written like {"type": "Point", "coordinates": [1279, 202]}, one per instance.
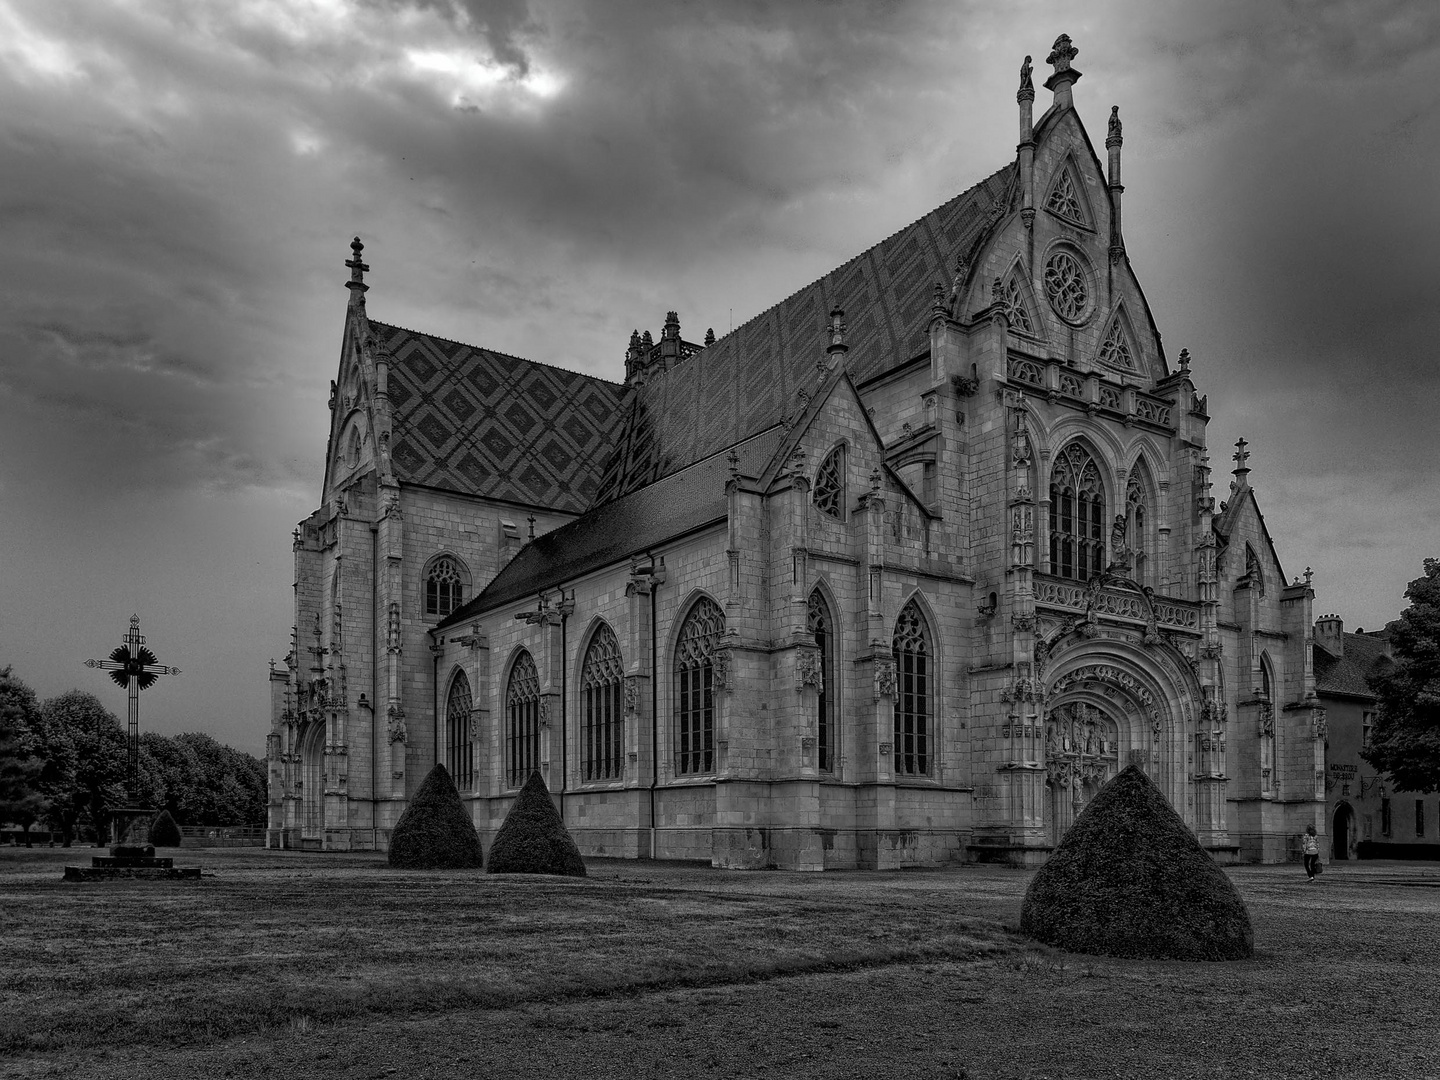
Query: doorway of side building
{"type": "Point", "coordinates": [1340, 832]}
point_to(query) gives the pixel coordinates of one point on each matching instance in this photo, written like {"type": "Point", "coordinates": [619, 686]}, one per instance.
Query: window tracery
{"type": "Point", "coordinates": [1065, 286]}
{"type": "Point", "coordinates": [822, 626]}
{"type": "Point", "coordinates": [829, 494]}
{"type": "Point", "coordinates": [602, 682]}
{"type": "Point", "coordinates": [1115, 349]}
{"type": "Point", "coordinates": [695, 655]}
{"type": "Point", "coordinates": [1064, 200]}
{"type": "Point", "coordinates": [1137, 519]}
{"type": "Point", "coordinates": [1014, 304]}
{"type": "Point", "coordinates": [522, 715]}
{"type": "Point", "coordinates": [459, 749]}
{"type": "Point", "coordinates": [911, 646]}
{"type": "Point", "coordinates": [1077, 515]}
{"type": "Point", "coordinates": [444, 587]}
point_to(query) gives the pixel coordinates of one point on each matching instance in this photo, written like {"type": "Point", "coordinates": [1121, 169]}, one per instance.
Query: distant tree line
{"type": "Point", "coordinates": [64, 763]}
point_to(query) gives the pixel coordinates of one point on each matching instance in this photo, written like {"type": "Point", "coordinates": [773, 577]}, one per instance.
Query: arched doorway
{"type": "Point", "coordinates": [1340, 830]}
{"type": "Point", "coordinates": [1082, 754]}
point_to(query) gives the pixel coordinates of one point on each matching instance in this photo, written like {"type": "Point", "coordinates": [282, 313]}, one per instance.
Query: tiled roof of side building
{"type": "Point", "coordinates": [472, 420]}
{"type": "Point", "coordinates": [611, 533]}
{"type": "Point", "coordinates": [746, 380]}
{"type": "Point", "coordinates": [1364, 655]}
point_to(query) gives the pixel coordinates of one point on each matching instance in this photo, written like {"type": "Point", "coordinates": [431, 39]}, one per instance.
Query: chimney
{"type": "Point", "coordinates": [1065, 76]}
{"type": "Point", "coordinates": [1330, 634]}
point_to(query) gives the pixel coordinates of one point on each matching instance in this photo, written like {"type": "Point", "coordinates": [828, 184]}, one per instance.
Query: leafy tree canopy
{"type": "Point", "coordinates": [22, 794]}
{"type": "Point", "coordinates": [1406, 739]}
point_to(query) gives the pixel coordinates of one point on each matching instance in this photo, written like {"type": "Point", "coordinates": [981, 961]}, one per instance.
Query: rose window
{"type": "Point", "coordinates": [1065, 286]}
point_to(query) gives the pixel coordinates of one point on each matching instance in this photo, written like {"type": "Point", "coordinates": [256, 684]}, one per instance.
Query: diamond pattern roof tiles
{"type": "Point", "coordinates": [484, 423]}
{"type": "Point", "coordinates": [747, 380]}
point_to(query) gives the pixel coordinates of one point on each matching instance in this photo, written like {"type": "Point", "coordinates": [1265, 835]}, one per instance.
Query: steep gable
{"type": "Point", "coordinates": [746, 381]}
{"type": "Point", "coordinates": [481, 422]}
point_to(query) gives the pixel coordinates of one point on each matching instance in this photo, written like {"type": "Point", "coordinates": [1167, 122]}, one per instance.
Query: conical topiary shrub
{"type": "Point", "coordinates": [1130, 879]}
{"type": "Point", "coordinates": [435, 832]}
{"type": "Point", "coordinates": [164, 832]}
{"type": "Point", "coordinates": [533, 839]}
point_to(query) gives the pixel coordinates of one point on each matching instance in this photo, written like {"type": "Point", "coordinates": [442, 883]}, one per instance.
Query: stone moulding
{"type": "Point", "coordinates": [1116, 603]}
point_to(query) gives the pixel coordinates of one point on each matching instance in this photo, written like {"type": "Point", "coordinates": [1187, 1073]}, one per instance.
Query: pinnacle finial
{"type": "Point", "coordinates": [1062, 53]}
{"type": "Point", "coordinates": [1112, 136]}
{"type": "Point", "coordinates": [358, 268]}
{"type": "Point", "coordinates": [836, 330]}
{"type": "Point", "coordinates": [709, 337]}
{"type": "Point", "coordinates": [1060, 57]}
{"type": "Point", "coordinates": [1185, 361]}
{"type": "Point", "coordinates": [1241, 456]}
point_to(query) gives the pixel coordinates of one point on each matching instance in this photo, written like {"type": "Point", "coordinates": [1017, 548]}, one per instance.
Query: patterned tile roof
{"type": "Point", "coordinates": [745, 381]}
{"type": "Point", "coordinates": [623, 527]}
{"type": "Point", "coordinates": [468, 419]}
{"type": "Point", "coordinates": [1364, 655]}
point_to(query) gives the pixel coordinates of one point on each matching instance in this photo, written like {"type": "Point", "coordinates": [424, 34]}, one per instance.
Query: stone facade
{"type": "Point", "coordinates": [906, 586]}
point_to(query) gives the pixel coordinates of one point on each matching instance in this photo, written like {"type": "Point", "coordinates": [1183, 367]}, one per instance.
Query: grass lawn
{"type": "Point", "coordinates": [300, 966]}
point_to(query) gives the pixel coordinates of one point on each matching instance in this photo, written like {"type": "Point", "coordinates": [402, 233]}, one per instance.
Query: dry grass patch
{"type": "Point", "coordinates": [276, 940]}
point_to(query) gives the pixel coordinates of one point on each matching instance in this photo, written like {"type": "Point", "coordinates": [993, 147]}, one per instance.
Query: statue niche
{"type": "Point", "coordinates": [1082, 754]}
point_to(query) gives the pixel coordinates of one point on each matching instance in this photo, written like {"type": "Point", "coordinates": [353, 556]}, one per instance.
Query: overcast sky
{"type": "Point", "coordinates": [182, 179]}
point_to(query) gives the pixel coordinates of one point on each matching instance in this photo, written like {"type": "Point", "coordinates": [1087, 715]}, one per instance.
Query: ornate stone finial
{"type": "Point", "coordinates": [709, 337]}
{"type": "Point", "coordinates": [1112, 137]}
{"type": "Point", "coordinates": [1241, 456]}
{"type": "Point", "coordinates": [997, 292]}
{"type": "Point", "coordinates": [733, 460]}
{"type": "Point", "coordinates": [962, 270]}
{"type": "Point", "coordinates": [634, 346]}
{"type": "Point", "coordinates": [1026, 86]}
{"type": "Point", "coordinates": [875, 480]}
{"type": "Point", "coordinates": [1185, 361]}
{"type": "Point", "coordinates": [357, 266]}
{"type": "Point", "coordinates": [1308, 575]}
{"type": "Point", "coordinates": [531, 520]}
{"type": "Point", "coordinates": [836, 330]}
{"type": "Point", "coordinates": [1062, 53]}
{"type": "Point", "coordinates": [646, 341]}
{"type": "Point", "coordinates": [672, 325]}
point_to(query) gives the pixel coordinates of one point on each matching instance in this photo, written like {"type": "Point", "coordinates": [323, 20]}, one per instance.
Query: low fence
{"type": "Point", "coordinates": [195, 836]}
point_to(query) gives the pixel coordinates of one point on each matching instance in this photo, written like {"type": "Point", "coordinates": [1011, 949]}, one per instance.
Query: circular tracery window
{"type": "Point", "coordinates": [1065, 286]}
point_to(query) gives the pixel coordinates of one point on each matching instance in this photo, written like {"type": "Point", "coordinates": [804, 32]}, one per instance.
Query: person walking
{"type": "Point", "coordinates": [1310, 845]}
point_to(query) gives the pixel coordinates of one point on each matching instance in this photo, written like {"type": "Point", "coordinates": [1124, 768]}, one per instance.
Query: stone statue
{"type": "Point", "coordinates": [1025, 83]}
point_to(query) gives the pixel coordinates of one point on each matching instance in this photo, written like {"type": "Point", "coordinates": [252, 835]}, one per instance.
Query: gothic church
{"type": "Point", "coordinates": [901, 571]}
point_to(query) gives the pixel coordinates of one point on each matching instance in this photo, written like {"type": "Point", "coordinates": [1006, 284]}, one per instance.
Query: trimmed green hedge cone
{"type": "Point", "coordinates": [164, 832]}
{"type": "Point", "coordinates": [435, 832]}
{"type": "Point", "coordinates": [533, 839]}
{"type": "Point", "coordinates": [1129, 879]}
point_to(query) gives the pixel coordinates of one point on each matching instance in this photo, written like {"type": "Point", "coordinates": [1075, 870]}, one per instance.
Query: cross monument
{"type": "Point", "coordinates": [134, 667]}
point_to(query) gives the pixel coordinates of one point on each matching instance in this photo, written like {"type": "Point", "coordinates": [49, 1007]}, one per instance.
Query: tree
{"type": "Point", "coordinates": [22, 795]}
{"type": "Point", "coordinates": [84, 746]}
{"type": "Point", "coordinates": [1406, 739]}
{"type": "Point", "coordinates": [435, 831]}
{"type": "Point", "coordinates": [533, 839]}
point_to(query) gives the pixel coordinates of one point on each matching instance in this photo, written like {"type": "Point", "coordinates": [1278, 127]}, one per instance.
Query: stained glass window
{"type": "Point", "coordinates": [822, 625]}
{"type": "Point", "coordinates": [602, 684]}
{"type": "Point", "coordinates": [1063, 199]}
{"type": "Point", "coordinates": [459, 750]}
{"type": "Point", "coordinates": [912, 705]}
{"type": "Point", "coordinates": [1065, 286]}
{"type": "Point", "coordinates": [522, 715]}
{"type": "Point", "coordinates": [695, 687]}
{"type": "Point", "coordinates": [1077, 515]}
{"type": "Point", "coordinates": [444, 587]}
{"type": "Point", "coordinates": [830, 484]}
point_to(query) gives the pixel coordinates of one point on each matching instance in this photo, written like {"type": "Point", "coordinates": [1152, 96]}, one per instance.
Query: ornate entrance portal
{"type": "Point", "coordinates": [1082, 754]}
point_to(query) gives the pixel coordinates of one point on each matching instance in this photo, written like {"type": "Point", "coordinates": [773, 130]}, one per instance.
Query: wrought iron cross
{"type": "Point", "coordinates": [134, 667]}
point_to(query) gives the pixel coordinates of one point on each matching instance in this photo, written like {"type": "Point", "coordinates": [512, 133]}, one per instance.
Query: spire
{"type": "Point", "coordinates": [1242, 470]}
{"type": "Point", "coordinates": [357, 266]}
{"type": "Point", "coordinates": [1064, 76]}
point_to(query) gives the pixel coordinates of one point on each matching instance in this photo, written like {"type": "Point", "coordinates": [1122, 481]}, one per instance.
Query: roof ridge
{"type": "Point", "coordinates": [862, 253]}
{"type": "Point", "coordinates": [493, 352]}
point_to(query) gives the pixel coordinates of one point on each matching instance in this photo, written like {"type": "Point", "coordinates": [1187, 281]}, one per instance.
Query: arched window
{"type": "Point", "coordinates": [913, 704]}
{"type": "Point", "coordinates": [1267, 727]}
{"type": "Point", "coordinates": [830, 484]}
{"type": "Point", "coordinates": [695, 687]}
{"type": "Point", "coordinates": [822, 625]}
{"type": "Point", "coordinates": [444, 586]}
{"type": "Point", "coordinates": [602, 685]}
{"type": "Point", "coordinates": [459, 749]}
{"type": "Point", "coordinates": [522, 721]}
{"type": "Point", "coordinates": [1137, 521]}
{"type": "Point", "coordinates": [1077, 515]}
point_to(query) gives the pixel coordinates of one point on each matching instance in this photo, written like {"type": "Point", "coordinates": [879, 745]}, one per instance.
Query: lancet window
{"type": "Point", "coordinates": [695, 659]}
{"type": "Point", "coordinates": [522, 721]}
{"type": "Point", "coordinates": [1137, 514]}
{"type": "Point", "coordinates": [459, 749]}
{"type": "Point", "coordinates": [822, 625]}
{"type": "Point", "coordinates": [1077, 515]}
{"type": "Point", "coordinates": [829, 493]}
{"type": "Point", "coordinates": [444, 587]}
{"type": "Point", "coordinates": [1064, 199]}
{"type": "Point", "coordinates": [602, 685]}
{"type": "Point", "coordinates": [1013, 302]}
{"type": "Point", "coordinates": [1267, 728]}
{"type": "Point", "coordinates": [913, 702]}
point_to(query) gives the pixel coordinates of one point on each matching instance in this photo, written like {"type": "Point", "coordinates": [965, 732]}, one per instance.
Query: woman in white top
{"type": "Point", "coordinates": [1310, 845]}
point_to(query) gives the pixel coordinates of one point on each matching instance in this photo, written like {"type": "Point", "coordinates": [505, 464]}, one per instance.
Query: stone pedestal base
{"type": "Point", "coordinates": [131, 853]}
